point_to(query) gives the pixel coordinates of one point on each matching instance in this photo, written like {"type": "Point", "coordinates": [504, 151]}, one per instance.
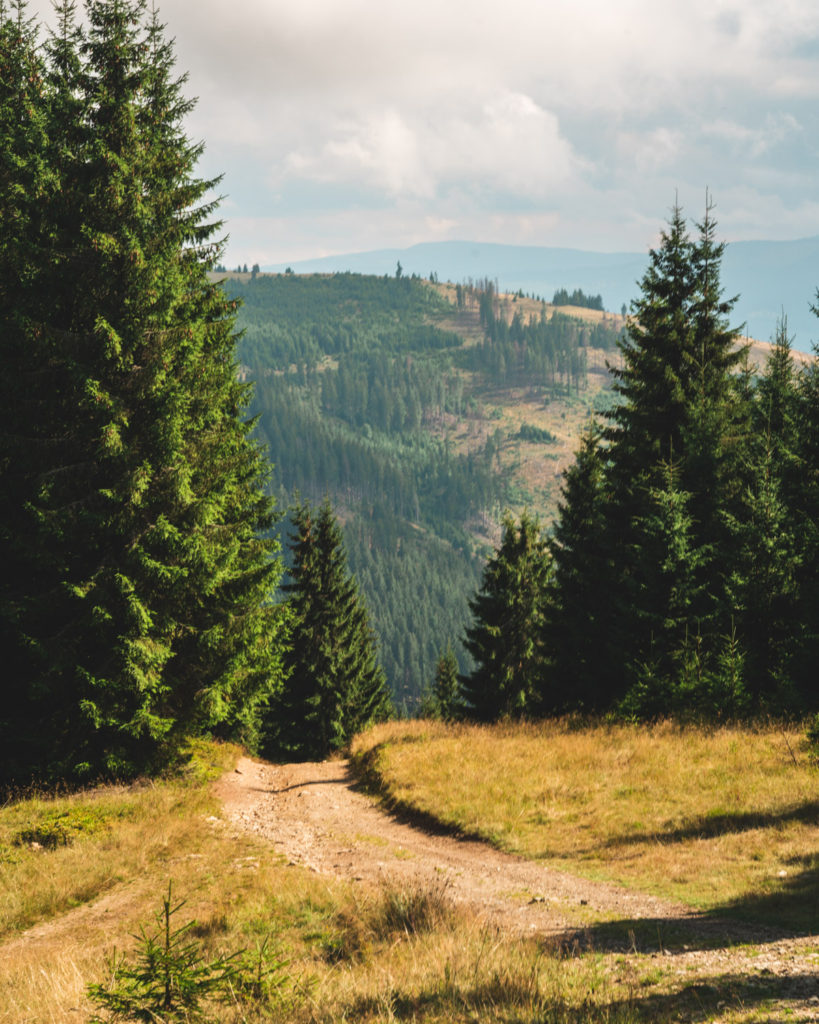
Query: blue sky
{"type": "Point", "coordinates": [359, 125]}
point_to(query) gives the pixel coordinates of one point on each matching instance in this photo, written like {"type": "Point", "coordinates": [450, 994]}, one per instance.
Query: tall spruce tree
{"type": "Point", "coordinates": [768, 534]}
{"type": "Point", "coordinates": [585, 668]}
{"type": "Point", "coordinates": [685, 400]}
{"type": "Point", "coordinates": [334, 685]}
{"type": "Point", "coordinates": [506, 636]}
{"type": "Point", "coordinates": [664, 532]}
{"type": "Point", "coordinates": [644, 433]}
{"type": "Point", "coordinates": [146, 612]}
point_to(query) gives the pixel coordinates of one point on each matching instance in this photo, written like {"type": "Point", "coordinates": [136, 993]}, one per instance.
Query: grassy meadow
{"type": "Point", "coordinates": [81, 874]}
{"type": "Point", "coordinates": [725, 820]}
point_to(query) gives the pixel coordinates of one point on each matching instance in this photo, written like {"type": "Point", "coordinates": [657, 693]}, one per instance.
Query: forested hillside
{"type": "Point", "coordinates": [422, 411]}
{"type": "Point", "coordinates": [680, 578]}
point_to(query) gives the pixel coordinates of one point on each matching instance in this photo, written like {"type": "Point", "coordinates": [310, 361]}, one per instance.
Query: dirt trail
{"type": "Point", "coordinates": [313, 814]}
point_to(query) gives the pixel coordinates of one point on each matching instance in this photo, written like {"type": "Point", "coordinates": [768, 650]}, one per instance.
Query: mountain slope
{"type": "Point", "coordinates": [769, 277]}
{"type": "Point", "coordinates": [422, 411]}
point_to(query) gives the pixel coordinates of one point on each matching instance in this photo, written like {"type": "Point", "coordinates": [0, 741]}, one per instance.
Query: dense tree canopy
{"type": "Point", "coordinates": [684, 554]}
{"type": "Point", "coordinates": [135, 608]}
{"type": "Point", "coordinates": [680, 540]}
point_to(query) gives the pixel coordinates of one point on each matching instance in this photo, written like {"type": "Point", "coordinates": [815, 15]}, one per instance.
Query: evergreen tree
{"type": "Point", "coordinates": [651, 512]}
{"type": "Point", "coordinates": [764, 582]}
{"type": "Point", "coordinates": [25, 183]}
{"type": "Point", "coordinates": [142, 614]}
{"type": "Point", "coordinates": [444, 700]}
{"type": "Point", "coordinates": [334, 684]}
{"type": "Point", "coordinates": [506, 637]}
{"type": "Point", "coordinates": [585, 664]}
{"type": "Point", "coordinates": [678, 407]}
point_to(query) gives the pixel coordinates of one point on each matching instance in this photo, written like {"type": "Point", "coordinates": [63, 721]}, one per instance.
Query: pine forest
{"type": "Point", "coordinates": [278, 508]}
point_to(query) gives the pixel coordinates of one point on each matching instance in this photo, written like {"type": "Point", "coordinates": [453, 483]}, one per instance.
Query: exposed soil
{"type": "Point", "coordinates": [316, 816]}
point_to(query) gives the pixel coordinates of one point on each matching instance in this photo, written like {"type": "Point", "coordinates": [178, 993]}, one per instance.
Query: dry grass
{"type": "Point", "coordinates": [351, 953]}
{"type": "Point", "coordinates": [723, 819]}
{"type": "Point", "coordinates": [471, 973]}
{"type": "Point", "coordinates": [57, 853]}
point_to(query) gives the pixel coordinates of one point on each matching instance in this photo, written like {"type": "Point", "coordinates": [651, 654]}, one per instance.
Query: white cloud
{"type": "Point", "coordinates": [568, 122]}
{"type": "Point", "coordinates": [507, 143]}
{"type": "Point", "coordinates": [757, 140]}
{"type": "Point", "coordinates": [381, 150]}
{"type": "Point", "coordinates": [651, 151]}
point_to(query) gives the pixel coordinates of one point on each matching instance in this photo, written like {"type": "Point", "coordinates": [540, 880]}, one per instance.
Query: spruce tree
{"type": "Point", "coordinates": [444, 700]}
{"type": "Point", "coordinates": [667, 546]}
{"type": "Point", "coordinates": [506, 636]}
{"type": "Point", "coordinates": [334, 685]}
{"type": "Point", "coordinates": [645, 432]}
{"type": "Point", "coordinates": [679, 407]}
{"type": "Point", "coordinates": [583, 651]}
{"type": "Point", "coordinates": [768, 535]}
{"type": "Point", "coordinates": [148, 615]}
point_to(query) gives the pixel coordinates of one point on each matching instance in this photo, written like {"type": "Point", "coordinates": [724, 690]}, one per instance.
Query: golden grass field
{"type": "Point", "coordinates": [711, 817]}
{"type": "Point", "coordinates": [725, 820]}
{"type": "Point", "coordinates": [349, 954]}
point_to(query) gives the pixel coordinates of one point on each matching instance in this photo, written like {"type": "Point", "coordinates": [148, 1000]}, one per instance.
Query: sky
{"type": "Point", "coordinates": [348, 126]}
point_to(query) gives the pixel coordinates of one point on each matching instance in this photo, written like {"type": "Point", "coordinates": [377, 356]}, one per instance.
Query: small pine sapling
{"type": "Point", "coordinates": [169, 980]}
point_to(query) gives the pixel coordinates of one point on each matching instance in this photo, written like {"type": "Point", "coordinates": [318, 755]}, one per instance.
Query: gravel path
{"type": "Point", "coordinates": [313, 814]}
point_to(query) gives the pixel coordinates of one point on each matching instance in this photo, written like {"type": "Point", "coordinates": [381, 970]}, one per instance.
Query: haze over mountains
{"type": "Point", "coordinates": [769, 277]}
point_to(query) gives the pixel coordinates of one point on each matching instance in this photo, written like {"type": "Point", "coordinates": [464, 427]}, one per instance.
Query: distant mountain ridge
{"type": "Point", "coordinates": [769, 277]}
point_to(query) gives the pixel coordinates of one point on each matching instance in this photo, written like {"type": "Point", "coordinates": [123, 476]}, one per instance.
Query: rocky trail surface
{"type": "Point", "coordinates": [315, 815]}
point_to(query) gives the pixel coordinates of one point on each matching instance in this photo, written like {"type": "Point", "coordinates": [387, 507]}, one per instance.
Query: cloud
{"type": "Point", "coordinates": [755, 140]}
{"type": "Point", "coordinates": [651, 150]}
{"type": "Point", "coordinates": [571, 122]}
{"type": "Point", "coordinates": [507, 143]}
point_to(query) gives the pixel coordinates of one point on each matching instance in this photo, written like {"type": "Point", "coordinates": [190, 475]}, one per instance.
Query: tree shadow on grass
{"type": "Point", "coordinates": [521, 1000]}
{"type": "Point", "coordinates": [365, 778]}
{"type": "Point", "coordinates": [790, 911]}
{"type": "Point", "coordinates": [711, 826]}
{"type": "Point", "coordinates": [793, 904]}
{"type": "Point", "coordinates": [667, 936]}
{"type": "Point", "coordinates": [790, 903]}
{"type": "Point", "coordinates": [722, 993]}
